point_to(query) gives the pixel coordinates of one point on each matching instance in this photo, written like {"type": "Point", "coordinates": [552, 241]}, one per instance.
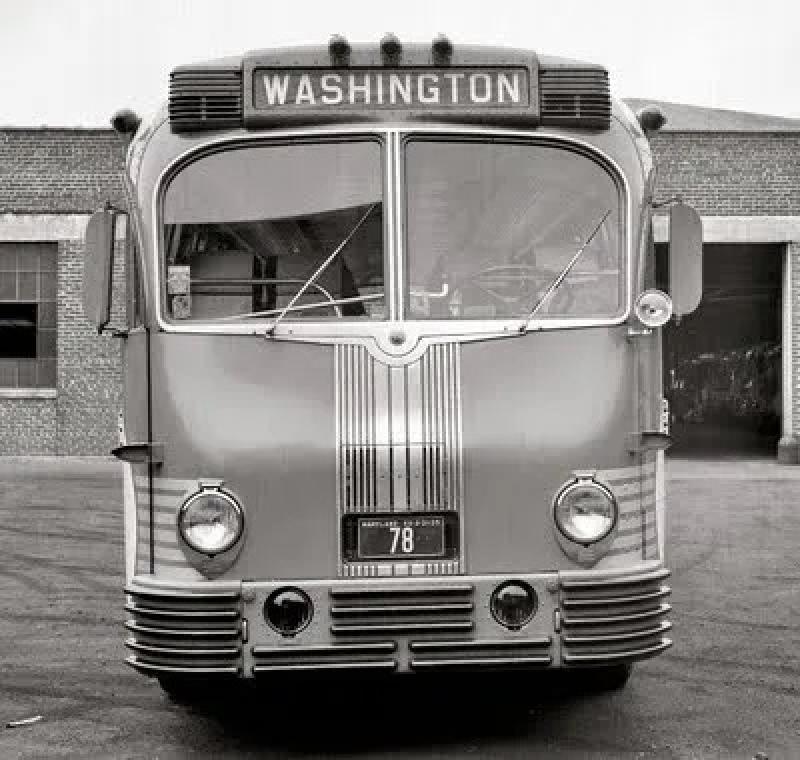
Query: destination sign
{"type": "Point", "coordinates": [398, 88]}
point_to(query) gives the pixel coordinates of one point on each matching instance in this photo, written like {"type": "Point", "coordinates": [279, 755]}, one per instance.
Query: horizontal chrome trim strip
{"type": "Point", "coordinates": [212, 633]}
{"type": "Point", "coordinates": [612, 637]}
{"type": "Point", "coordinates": [147, 582]}
{"type": "Point", "coordinates": [636, 530]}
{"type": "Point", "coordinates": [314, 666]}
{"type": "Point", "coordinates": [292, 651]}
{"type": "Point", "coordinates": [190, 596]}
{"type": "Point", "coordinates": [435, 646]}
{"type": "Point", "coordinates": [633, 549]}
{"type": "Point", "coordinates": [399, 609]}
{"type": "Point", "coordinates": [185, 652]}
{"type": "Point", "coordinates": [173, 562]}
{"type": "Point", "coordinates": [456, 625]}
{"type": "Point", "coordinates": [183, 614]}
{"type": "Point", "coordinates": [610, 600]}
{"type": "Point", "coordinates": [480, 662]}
{"type": "Point", "coordinates": [647, 495]}
{"type": "Point", "coordinates": [629, 654]}
{"type": "Point", "coordinates": [215, 670]}
{"type": "Point", "coordinates": [370, 591]}
{"type": "Point", "coordinates": [662, 609]}
{"type": "Point", "coordinates": [569, 584]}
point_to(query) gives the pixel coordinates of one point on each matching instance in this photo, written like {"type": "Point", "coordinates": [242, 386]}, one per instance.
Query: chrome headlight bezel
{"type": "Point", "coordinates": [571, 487]}
{"type": "Point", "coordinates": [192, 502]}
{"type": "Point", "coordinates": [653, 308]}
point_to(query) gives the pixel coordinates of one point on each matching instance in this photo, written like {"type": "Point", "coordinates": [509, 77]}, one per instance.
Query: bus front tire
{"type": "Point", "coordinates": [605, 677]}
{"type": "Point", "coordinates": [186, 690]}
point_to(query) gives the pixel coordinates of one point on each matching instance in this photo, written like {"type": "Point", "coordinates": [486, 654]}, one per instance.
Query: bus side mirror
{"type": "Point", "coordinates": [685, 259]}
{"type": "Point", "coordinates": [97, 267]}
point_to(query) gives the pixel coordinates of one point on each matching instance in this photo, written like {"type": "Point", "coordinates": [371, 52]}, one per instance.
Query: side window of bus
{"type": "Point", "coordinates": [133, 279]}
{"type": "Point", "coordinates": [649, 263]}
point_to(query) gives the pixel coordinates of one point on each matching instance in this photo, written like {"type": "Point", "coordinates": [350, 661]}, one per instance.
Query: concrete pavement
{"type": "Point", "coordinates": [730, 687]}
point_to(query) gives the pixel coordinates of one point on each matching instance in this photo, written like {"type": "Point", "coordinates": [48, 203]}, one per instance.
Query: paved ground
{"type": "Point", "coordinates": [730, 687]}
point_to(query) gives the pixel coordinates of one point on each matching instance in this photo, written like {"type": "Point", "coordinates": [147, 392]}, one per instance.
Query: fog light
{"type": "Point", "coordinates": [513, 604]}
{"type": "Point", "coordinates": [288, 610]}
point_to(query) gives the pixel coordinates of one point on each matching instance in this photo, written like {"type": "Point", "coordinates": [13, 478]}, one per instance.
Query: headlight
{"type": "Point", "coordinates": [585, 511]}
{"type": "Point", "coordinates": [211, 521]}
{"type": "Point", "coordinates": [653, 308]}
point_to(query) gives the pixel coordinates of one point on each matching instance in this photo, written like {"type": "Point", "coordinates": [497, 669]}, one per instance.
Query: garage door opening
{"type": "Point", "coordinates": [722, 364]}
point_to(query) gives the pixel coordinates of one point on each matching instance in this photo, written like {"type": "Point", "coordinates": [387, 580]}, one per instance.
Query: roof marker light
{"type": "Point", "coordinates": [339, 50]}
{"type": "Point", "coordinates": [442, 50]}
{"type": "Point", "coordinates": [651, 118]}
{"type": "Point", "coordinates": [125, 122]}
{"type": "Point", "coordinates": [391, 49]}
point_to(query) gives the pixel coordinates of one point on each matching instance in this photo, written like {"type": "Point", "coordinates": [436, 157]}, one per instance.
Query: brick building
{"type": "Point", "coordinates": [742, 173]}
{"type": "Point", "coordinates": [60, 384]}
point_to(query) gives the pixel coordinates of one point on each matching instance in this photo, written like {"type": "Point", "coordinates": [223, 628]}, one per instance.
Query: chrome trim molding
{"type": "Point", "coordinates": [399, 444]}
{"type": "Point", "coordinates": [618, 619]}
{"type": "Point", "coordinates": [326, 666]}
{"type": "Point", "coordinates": [481, 662]}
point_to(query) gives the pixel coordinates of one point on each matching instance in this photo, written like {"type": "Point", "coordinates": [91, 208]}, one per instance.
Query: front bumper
{"type": "Point", "coordinates": [394, 626]}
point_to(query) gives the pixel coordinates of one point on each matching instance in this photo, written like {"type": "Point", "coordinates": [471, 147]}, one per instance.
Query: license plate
{"type": "Point", "coordinates": [398, 537]}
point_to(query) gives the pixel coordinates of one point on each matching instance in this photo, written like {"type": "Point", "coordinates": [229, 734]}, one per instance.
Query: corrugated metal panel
{"type": "Point", "coordinates": [577, 97]}
{"type": "Point", "coordinates": [205, 99]}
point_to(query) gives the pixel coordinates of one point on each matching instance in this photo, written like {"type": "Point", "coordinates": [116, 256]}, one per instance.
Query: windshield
{"type": "Point", "coordinates": [245, 228]}
{"type": "Point", "coordinates": [493, 229]}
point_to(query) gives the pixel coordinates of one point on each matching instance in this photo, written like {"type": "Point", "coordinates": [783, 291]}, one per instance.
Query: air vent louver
{"type": "Point", "coordinates": [576, 97]}
{"type": "Point", "coordinates": [205, 99]}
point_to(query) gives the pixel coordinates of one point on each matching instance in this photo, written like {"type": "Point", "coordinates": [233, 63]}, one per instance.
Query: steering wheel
{"type": "Point", "coordinates": [518, 287]}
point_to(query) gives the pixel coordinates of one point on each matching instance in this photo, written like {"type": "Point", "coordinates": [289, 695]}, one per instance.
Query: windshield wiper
{"type": "Point", "coordinates": [563, 274]}
{"type": "Point", "coordinates": [332, 302]}
{"type": "Point", "coordinates": [270, 332]}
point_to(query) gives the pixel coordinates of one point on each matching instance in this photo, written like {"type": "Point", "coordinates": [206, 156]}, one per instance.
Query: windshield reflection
{"type": "Point", "coordinates": [491, 226]}
{"type": "Point", "coordinates": [247, 229]}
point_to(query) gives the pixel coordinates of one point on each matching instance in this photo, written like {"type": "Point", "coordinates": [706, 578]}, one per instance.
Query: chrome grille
{"type": "Point", "coordinates": [403, 611]}
{"type": "Point", "coordinates": [614, 620]}
{"type": "Point", "coordinates": [399, 442]}
{"type": "Point", "coordinates": [399, 431]}
{"type": "Point", "coordinates": [369, 656]}
{"type": "Point", "coordinates": [575, 97]}
{"type": "Point", "coordinates": [205, 99]}
{"type": "Point", "coordinates": [500, 653]}
{"type": "Point", "coordinates": [184, 633]}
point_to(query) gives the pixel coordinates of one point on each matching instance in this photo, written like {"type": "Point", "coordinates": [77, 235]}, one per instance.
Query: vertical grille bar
{"type": "Point", "coordinates": [399, 435]}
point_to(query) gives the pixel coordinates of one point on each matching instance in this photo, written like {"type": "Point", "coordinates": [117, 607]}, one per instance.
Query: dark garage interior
{"type": "Point", "coordinates": [722, 363]}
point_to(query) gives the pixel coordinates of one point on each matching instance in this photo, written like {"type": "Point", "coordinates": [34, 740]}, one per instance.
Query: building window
{"type": "Point", "coordinates": [28, 315]}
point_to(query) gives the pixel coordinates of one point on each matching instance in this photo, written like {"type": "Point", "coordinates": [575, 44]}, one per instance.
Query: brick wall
{"type": "Point", "coordinates": [67, 171]}
{"type": "Point", "coordinates": [731, 174]}
{"type": "Point", "coordinates": [794, 256]}
{"type": "Point", "coordinates": [89, 365]}
{"type": "Point", "coordinates": [59, 170]}
{"type": "Point", "coordinates": [28, 426]}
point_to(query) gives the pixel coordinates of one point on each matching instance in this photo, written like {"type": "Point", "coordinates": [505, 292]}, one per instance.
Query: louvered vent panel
{"type": "Point", "coordinates": [575, 97]}
{"type": "Point", "coordinates": [205, 99]}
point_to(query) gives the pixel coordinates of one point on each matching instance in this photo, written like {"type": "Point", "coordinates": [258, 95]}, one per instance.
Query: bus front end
{"type": "Point", "coordinates": [393, 372]}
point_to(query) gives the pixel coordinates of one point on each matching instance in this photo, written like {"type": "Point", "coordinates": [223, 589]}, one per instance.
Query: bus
{"type": "Point", "coordinates": [392, 366]}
